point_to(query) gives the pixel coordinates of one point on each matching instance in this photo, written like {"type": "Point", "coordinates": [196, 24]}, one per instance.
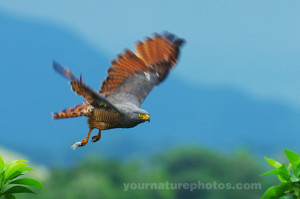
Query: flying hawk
{"type": "Point", "coordinates": [129, 81]}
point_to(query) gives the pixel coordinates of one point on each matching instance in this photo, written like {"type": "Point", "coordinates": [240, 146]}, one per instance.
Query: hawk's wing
{"type": "Point", "coordinates": [92, 97]}
{"type": "Point", "coordinates": [134, 75]}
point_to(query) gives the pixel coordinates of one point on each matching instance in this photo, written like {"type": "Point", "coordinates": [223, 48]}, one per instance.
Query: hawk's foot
{"type": "Point", "coordinates": [79, 144]}
{"type": "Point", "coordinates": [83, 142]}
{"type": "Point", "coordinates": [97, 137]}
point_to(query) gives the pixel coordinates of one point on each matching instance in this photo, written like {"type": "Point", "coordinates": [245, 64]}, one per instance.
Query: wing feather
{"type": "Point", "coordinates": [135, 61]}
{"type": "Point", "coordinates": [141, 50]}
{"type": "Point", "coordinates": [134, 75]}
{"type": "Point", "coordinates": [92, 97]}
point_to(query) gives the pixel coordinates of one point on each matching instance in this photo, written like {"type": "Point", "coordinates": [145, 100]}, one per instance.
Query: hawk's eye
{"type": "Point", "coordinates": [141, 115]}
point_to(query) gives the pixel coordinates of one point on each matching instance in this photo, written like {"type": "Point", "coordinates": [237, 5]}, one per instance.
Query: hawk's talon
{"type": "Point", "coordinates": [83, 142]}
{"type": "Point", "coordinates": [97, 137]}
{"type": "Point", "coordinates": [79, 144]}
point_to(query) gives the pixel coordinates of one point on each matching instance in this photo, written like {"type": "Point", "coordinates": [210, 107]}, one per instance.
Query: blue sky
{"type": "Point", "coordinates": [253, 46]}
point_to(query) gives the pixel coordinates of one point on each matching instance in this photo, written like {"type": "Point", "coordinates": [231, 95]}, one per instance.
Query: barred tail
{"type": "Point", "coordinates": [79, 110]}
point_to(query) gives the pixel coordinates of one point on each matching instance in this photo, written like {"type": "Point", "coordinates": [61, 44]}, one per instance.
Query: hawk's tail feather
{"type": "Point", "coordinates": [77, 111]}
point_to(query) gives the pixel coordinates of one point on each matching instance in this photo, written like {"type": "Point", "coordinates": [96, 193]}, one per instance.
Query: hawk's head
{"type": "Point", "coordinates": [140, 116]}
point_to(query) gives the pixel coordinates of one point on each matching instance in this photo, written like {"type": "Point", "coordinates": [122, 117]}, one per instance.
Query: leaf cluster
{"type": "Point", "coordinates": [12, 180]}
{"type": "Point", "coordinates": [289, 176]}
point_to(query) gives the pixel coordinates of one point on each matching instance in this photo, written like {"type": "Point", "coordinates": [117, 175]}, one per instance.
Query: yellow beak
{"type": "Point", "coordinates": [146, 117]}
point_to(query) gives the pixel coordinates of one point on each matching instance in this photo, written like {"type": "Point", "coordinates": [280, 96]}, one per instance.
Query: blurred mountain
{"type": "Point", "coordinates": [181, 114]}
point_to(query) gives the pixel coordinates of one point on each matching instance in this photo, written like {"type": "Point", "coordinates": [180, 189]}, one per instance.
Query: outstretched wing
{"type": "Point", "coordinates": [92, 97]}
{"type": "Point", "coordinates": [133, 75]}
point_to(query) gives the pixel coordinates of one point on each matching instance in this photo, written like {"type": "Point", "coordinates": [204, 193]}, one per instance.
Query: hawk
{"type": "Point", "coordinates": [129, 81]}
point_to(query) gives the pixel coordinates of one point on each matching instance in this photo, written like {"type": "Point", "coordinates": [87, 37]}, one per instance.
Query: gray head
{"type": "Point", "coordinates": [133, 115]}
{"type": "Point", "coordinates": [139, 115]}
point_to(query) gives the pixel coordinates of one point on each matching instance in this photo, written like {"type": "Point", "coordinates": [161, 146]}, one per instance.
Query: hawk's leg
{"type": "Point", "coordinates": [82, 142]}
{"type": "Point", "coordinates": [97, 137]}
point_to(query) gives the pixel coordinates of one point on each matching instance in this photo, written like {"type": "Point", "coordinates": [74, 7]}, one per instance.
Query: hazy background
{"type": "Point", "coordinates": [236, 86]}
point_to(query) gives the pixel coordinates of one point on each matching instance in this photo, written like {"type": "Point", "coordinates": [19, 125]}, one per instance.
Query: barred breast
{"type": "Point", "coordinates": [104, 119]}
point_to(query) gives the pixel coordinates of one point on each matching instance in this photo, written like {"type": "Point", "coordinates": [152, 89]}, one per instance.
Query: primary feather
{"type": "Point", "coordinates": [134, 75]}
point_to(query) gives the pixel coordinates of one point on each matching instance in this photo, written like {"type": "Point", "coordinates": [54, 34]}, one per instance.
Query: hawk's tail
{"type": "Point", "coordinates": [79, 110]}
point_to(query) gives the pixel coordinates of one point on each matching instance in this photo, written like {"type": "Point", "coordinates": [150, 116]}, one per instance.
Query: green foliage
{"type": "Point", "coordinates": [98, 178]}
{"type": "Point", "coordinates": [10, 181]}
{"type": "Point", "coordinates": [289, 188]}
{"type": "Point", "coordinates": [194, 164]}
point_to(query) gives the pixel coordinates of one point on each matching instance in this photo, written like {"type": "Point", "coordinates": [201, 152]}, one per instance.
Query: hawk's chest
{"type": "Point", "coordinates": [104, 119]}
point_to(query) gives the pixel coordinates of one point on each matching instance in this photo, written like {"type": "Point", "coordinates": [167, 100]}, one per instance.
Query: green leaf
{"type": "Point", "coordinates": [294, 179]}
{"type": "Point", "coordinates": [273, 163]}
{"type": "Point", "coordinates": [26, 168]}
{"type": "Point", "coordinates": [286, 197]}
{"type": "Point", "coordinates": [9, 196]}
{"type": "Point", "coordinates": [28, 182]}
{"type": "Point", "coordinates": [281, 171]}
{"type": "Point", "coordinates": [290, 166]}
{"type": "Point", "coordinates": [293, 157]}
{"type": "Point", "coordinates": [281, 179]}
{"type": "Point", "coordinates": [298, 171]}
{"type": "Point", "coordinates": [12, 162]}
{"type": "Point", "coordinates": [277, 191]}
{"type": "Point", "coordinates": [274, 171]}
{"type": "Point", "coordinates": [17, 189]}
{"type": "Point", "coordinates": [19, 172]}
{"type": "Point", "coordinates": [270, 192]}
{"type": "Point", "coordinates": [284, 187]}
{"type": "Point", "coordinates": [1, 163]}
{"type": "Point", "coordinates": [17, 161]}
{"type": "Point", "coordinates": [13, 168]}
{"type": "Point", "coordinates": [15, 175]}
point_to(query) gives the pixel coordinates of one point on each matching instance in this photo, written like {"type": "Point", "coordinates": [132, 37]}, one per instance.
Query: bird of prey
{"type": "Point", "coordinates": [129, 81]}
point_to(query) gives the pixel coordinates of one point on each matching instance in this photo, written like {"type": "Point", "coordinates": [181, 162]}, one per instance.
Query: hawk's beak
{"type": "Point", "coordinates": [146, 117]}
